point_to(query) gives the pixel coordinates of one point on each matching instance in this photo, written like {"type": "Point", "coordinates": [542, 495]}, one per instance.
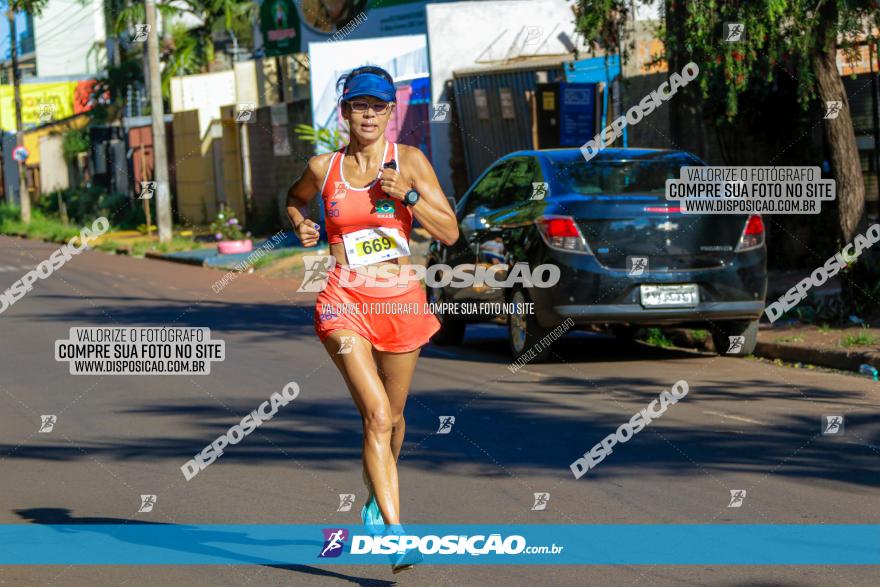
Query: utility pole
{"type": "Point", "coordinates": [279, 66]}
{"type": "Point", "coordinates": [157, 111]}
{"type": "Point", "coordinates": [23, 195]}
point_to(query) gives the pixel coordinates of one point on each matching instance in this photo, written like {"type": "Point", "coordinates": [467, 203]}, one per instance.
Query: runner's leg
{"type": "Point", "coordinates": [396, 371]}
{"type": "Point", "coordinates": [359, 370]}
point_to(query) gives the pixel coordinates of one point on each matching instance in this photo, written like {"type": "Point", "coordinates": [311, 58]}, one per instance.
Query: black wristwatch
{"type": "Point", "coordinates": [411, 197]}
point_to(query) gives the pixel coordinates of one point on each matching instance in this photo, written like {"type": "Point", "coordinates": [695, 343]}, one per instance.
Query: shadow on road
{"type": "Point", "coordinates": [525, 428]}
{"type": "Point", "coordinates": [190, 539]}
{"type": "Point", "coordinates": [520, 422]}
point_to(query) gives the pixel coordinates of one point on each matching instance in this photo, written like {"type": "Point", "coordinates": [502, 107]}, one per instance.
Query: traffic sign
{"type": "Point", "coordinates": [20, 154]}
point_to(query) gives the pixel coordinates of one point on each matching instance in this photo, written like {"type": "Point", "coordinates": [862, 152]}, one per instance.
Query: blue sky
{"type": "Point", "coordinates": [21, 26]}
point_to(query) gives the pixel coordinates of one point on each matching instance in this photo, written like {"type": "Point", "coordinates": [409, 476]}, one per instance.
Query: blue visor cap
{"type": "Point", "coordinates": [369, 84]}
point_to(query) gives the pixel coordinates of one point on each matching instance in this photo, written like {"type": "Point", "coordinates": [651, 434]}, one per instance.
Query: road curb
{"type": "Point", "coordinates": [834, 358]}
{"type": "Point", "coordinates": [183, 260]}
{"type": "Point", "coordinates": [846, 360]}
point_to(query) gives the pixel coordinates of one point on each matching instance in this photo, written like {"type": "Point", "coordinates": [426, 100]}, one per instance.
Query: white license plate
{"type": "Point", "coordinates": [670, 296]}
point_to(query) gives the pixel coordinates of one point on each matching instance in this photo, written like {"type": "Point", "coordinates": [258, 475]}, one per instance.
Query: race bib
{"type": "Point", "coordinates": [371, 245]}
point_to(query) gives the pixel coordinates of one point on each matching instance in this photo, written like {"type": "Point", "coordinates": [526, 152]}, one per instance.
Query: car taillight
{"type": "Point", "coordinates": [752, 235]}
{"type": "Point", "coordinates": [663, 210]}
{"type": "Point", "coordinates": [561, 232]}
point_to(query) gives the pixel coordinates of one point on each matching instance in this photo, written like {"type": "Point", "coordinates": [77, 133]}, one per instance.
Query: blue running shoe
{"type": "Point", "coordinates": [374, 512]}
{"type": "Point", "coordinates": [407, 560]}
{"type": "Point", "coordinates": [372, 518]}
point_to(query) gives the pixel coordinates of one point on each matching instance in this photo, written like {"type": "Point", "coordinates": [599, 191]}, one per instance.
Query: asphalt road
{"type": "Point", "coordinates": [746, 424]}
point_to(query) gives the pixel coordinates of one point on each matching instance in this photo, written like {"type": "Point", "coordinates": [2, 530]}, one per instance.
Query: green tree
{"type": "Point", "coordinates": [797, 38]}
{"type": "Point", "coordinates": [187, 51]}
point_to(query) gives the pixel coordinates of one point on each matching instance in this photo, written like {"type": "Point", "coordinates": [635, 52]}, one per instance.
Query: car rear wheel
{"type": "Point", "coordinates": [451, 330]}
{"type": "Point", "coordinates": [524, 333]}
{"type": "Point", "coordinates": [747, 329]}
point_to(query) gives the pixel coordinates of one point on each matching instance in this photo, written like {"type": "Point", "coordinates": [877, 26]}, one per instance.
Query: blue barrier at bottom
{"type": "Point", "coordinates": [139, 543]}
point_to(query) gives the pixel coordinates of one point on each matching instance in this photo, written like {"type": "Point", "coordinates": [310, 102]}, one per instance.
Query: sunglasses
{"type": "Point", "coordinates": [363, 106]}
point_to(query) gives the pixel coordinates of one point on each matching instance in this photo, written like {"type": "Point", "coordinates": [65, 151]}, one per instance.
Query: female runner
{"type": "Point", "coordinates": [372, 189]}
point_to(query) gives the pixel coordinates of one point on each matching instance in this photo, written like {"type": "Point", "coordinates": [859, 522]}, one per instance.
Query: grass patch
{"type": "Point", "coordinates": [825, 328]}
{"type": "Point", "coordinates": [657, 338]}
{"type": "Point", "coordinates": [267, 260]}
{"type": "Point", "coordinates": [863, 338]}
{"type": "Point", "coordinates": [700, 335]}
{"type": "Point", "coordinates": [107, 245]}
{"type": "Point", "coordinates": [41, 227]}
{"type": "Point", "coordinates": [175, 245]}
{"type": "Point", "coordinates": [792, 338]}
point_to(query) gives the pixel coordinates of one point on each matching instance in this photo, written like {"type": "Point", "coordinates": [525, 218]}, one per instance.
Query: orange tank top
{"type": "Point", "coordinates": [348, 209]}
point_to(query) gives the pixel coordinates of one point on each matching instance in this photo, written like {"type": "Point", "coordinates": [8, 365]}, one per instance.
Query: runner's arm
{"type": "Point", "coordinates": [301, 193]}
{"type": "Point", "coordinates": [432, 210]}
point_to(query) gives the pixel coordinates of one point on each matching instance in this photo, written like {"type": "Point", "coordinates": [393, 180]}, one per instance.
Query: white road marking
{"type": "Point", "coordinates": [730, 417]}
{"type": "Point", "coordinates": [871, 446]}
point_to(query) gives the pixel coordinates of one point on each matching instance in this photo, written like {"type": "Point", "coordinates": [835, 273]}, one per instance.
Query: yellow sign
{"type": "Point", "coordinates": [40, 103]}
{"type": "Point", "coordinates": [549, 100]}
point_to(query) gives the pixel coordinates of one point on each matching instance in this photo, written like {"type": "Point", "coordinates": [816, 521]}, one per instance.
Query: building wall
{"type": "Point", "coordinates": [273, 174]}
{"type": "Point", "coordinates": [486, 139]}
{"type": "Point", "coordinates": [193, 168]}
{"type": "Point", "coordinates": [53, 167]}
{"type": "Point", "coordinates": [66, 33]}
{"type": "Point", "coordinates": [204, 93]}
{"type": "Point", "coordinates": [452, 45]}
{"type": "Point", "coordinates": [230, 156]}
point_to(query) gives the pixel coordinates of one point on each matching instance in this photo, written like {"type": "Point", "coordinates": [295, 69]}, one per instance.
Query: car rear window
{"type": "Point", "coordinates": [646, 176]}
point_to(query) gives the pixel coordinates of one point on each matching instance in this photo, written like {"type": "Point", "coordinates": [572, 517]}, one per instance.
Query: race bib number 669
{"type": "Point", "coordinates": [372, 245]}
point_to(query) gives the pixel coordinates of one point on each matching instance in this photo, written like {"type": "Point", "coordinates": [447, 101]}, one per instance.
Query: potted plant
{"type": "Point", "coordinates": [230, 238]}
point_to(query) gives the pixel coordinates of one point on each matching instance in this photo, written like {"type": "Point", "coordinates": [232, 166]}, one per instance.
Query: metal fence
{"type": "Point", "coordinates": [494, 110]}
